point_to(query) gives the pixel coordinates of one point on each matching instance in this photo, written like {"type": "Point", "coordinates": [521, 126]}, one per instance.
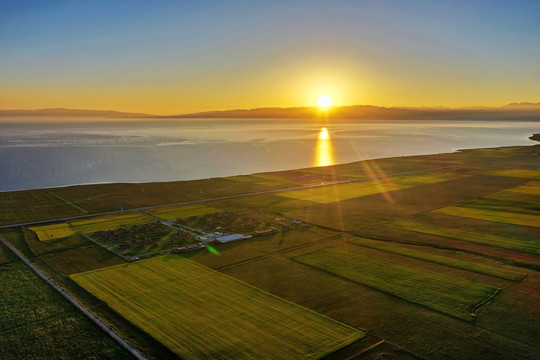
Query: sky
{"type": "Point", "coordinates": [171, 57]}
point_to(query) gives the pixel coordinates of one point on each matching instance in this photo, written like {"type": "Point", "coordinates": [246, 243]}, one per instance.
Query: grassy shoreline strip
{"type": "Point", "coordinates": [447, 294]}
{"type": "Point", "coordinates": [438, 259]}
{"type": "Point", "coordinates": [483, 239]}
{"type": "Point", "coordinates": [200, 313]}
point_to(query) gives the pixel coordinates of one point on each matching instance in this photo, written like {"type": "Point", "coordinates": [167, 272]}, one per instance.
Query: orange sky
{"type": "Point", "coordinates": [167, 58]}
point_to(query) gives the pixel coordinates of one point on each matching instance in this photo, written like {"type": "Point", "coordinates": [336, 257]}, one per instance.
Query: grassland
{"type": "Point", "coordinates": [447, 294]}
{"type": "Point", "coordinates": [443, 260]}
{"type": "Point", "coordinates": [37, 323]}
{"type": "Point", "coordinates": [490, 215]}
{"type": "Point", "coordinates": [53, 232]}
{"type": "Point", "coordinates": [530, 247]}
{"type": "Point", "coordinates": [199, 313]}
{"type": "Point", "coordinates": [176, 212]}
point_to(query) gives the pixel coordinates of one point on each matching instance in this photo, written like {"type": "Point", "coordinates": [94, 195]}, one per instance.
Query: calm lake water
{"type": "Point", "coordinates": [45, 152]}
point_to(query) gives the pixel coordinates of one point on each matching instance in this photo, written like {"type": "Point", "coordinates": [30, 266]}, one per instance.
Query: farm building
{"type": "Point", "coordinates": [232, 237]}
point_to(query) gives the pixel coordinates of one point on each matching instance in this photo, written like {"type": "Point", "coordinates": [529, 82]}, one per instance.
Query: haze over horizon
{"type": "Point", "coordinates": [170, 57]}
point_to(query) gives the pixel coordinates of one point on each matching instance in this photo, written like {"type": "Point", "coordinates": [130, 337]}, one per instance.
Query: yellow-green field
{"type": "Point", "coordinates": [438, 259]}
{"type": "Point", "coordinates": [88, 226]}
{"type": "Point", "coordinates": [330, 194]}
{"type": "Point", "coordinates": [103, 223]}
{"type": "Point", "coordinates": [519, 173]}
{"type": "Point", "coordinates": [496, 216]}
{"type": "Point", "coordinates": [531, 188]}
{"type": "Point", "coordinates": [52, 232]}
{"type": "Point", "coordinates": [444, 293]}
{"type": "Point", "coordinates": [479, 238]}
{"type": "Point", "coordinates": [202, 314]}
{"type": "Point", "coordinates": [176, 212]}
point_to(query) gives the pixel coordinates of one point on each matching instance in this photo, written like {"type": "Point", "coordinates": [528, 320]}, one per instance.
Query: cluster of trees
{"type": "Point", "coordinates": [136, 236]}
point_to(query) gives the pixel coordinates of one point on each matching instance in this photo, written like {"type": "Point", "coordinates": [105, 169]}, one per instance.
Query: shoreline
{"type": "Point", "coordinates": [247, 174]}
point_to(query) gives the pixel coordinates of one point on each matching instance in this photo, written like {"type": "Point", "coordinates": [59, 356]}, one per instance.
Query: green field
{"type": "Point", "coordinates": [520, 173]}
{"type": "Point", "coordinates": [489, 215]}
{"type": "Point", "coordinates": [102, 223]}
{"type": "Point", "coordinates": [443, 260]}
{"type": "Point", "coordinates": [201, 314]}
{"type": "Point", "coordinates": [531, 247]}
{"type": "Point", "coordinates": [37, 323]}
{"type": "Point", "coordinates": [176, 212]}
{"type": "Point", "coordinates": [32, 205]}
{"type": "Point", "coordinates": [447, 294]}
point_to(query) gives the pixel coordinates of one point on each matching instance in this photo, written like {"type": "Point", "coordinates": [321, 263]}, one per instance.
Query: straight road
{"type": "Point", "coordinates": [75, 303]}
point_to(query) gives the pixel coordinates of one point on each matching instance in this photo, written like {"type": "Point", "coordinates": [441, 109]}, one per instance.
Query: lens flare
{"type": "Point", "coordinates": [324, 150]}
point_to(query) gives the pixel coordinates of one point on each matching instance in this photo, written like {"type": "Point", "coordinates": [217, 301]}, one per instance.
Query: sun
{"type": "Point", "coordinates": [324, 101]}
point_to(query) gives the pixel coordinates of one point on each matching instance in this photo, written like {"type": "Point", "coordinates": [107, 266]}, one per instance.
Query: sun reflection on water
{"type": "Point", "coordinates": [324, 151]}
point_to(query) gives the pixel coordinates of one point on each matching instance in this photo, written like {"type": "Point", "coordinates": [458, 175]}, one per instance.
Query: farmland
{"type": "Point", "coordinates": [176, 212]}
{"type": "Point", "coordinates": [452, 296]}
{"type": "Point", "coordinates": [531, 247]}
{"type": "Point", "coordinates": [244, 321]}
{"type": "Point", "coordinates": [444, 260]}
{"type": "Point", "coordinates": [37, 323]}
{"type": "Point", "coordinates": [489, 215]}
{"type": "Point", "coordinates": [53, 232]}
{"type": "Point", "coordinates": [385, 261]}
{"type": "Point", "coordinates": [87, 226]}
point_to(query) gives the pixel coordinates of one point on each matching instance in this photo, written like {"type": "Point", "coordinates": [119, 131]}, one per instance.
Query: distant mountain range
{"type": "Point", "coordinates": [514, 111]}
{"type": "Point", "coordinates": [72, 112]}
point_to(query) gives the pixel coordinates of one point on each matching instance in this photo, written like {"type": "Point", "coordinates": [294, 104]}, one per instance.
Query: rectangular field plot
{"type": "Point", "coordinates": [447, 294]}
{"type": "Point", "coordinates": [176, 212]}
{"type": "Point", "coordinates": [91, 225]}
{"type": "Point", "coordinates": [438, 259]}
{"type": "Point", "coordinates": [519, 173]}
{"type": "Point", "coordinates": [479, 238]}
{"type": "Point", "coordinates": [202, 314]}
{"type": "Point", "coordinates": [330, 194]}
{"type": "Point", "coordinates": [52, 232]}
{"type": "Point", "coordinates": [489, 215]}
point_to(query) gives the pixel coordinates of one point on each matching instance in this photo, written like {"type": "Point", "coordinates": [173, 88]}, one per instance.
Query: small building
{"type": "Point", "coordinates": [232, 237]}
{"type": "Point", "coordinates": [265, 232]}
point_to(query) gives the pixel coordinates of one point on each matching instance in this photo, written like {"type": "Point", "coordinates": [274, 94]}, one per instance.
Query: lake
{"type": "Point", "coordinates": [44, 152]}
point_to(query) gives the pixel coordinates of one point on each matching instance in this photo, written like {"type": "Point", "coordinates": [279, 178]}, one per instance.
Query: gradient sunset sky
{"type": "Point", "coordinates": [169, 57]}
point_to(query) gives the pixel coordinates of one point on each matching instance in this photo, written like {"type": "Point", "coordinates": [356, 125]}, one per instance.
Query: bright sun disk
{"type": "Point", "coordinates": [324, 101]}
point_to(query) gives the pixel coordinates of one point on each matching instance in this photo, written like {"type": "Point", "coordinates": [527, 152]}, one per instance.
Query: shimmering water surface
{"type": "Point", "coordinates": [44, 152]}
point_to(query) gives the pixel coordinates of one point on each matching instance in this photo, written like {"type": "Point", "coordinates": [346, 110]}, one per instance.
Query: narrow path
{"type": "Point", "coordinates": [67, 202]}
{"type": "Point", "coordinates": [75, 303]}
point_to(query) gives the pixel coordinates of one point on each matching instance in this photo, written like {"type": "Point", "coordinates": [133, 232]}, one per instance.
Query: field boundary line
{"type": "Point", "coordinates": [67, 202]}
{"type": "Point", "coordinates": [75, 303]}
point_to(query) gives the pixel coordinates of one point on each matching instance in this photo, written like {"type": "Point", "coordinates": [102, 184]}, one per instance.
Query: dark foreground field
{"type": "Point", "coordinates": [429, 257]}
